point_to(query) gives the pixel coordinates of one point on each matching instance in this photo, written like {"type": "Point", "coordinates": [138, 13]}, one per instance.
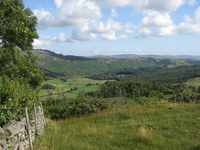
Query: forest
{"type": "Point", "coordinates": [151, 74]}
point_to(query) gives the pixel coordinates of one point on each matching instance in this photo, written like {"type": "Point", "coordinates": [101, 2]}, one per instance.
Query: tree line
{"type": "Point", "coordinates": [151, 74]}
{"type": "Point", "coordinates": [133, 90]}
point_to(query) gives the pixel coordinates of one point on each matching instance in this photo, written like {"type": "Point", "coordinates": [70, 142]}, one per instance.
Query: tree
{"type": "Point", "coordinates": [19, 76]}
{"type": "Point", "coordinates": [48, 86]}
{"type": "Point", "coordinates": [17, 32]}
{"type": "Point", "coordinates": [17, 25]}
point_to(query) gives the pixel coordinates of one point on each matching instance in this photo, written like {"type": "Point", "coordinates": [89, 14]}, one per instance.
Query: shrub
{"type": "Point", "coordinates": [14, 96]}
{"type": "Point", "coordinates": [48, 86]}
{"type": "Point", "coordinates": [62, 108]}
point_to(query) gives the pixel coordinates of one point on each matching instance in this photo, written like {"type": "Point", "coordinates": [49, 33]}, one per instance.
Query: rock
{"type": "Point", "coordinates": [22, 136]}
{"type": "Point", "coordinates": [22, 145]}
{"type": "Point", "coordinates": [2, 142]}
{"type": "Point", "coordinates": [2, 132]}
{"type": "Point", "coordinates": [16, 147]}
{"type": "Point", "coordinates": [13, 128]}
{"type": "Point", "coordinates": [3, 145]}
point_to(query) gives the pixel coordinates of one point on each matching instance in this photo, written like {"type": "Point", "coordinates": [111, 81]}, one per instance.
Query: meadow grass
{"type": "Point", "coordinates": [63, 87]}
{"type": "Point", "coordinates": [157, 125]}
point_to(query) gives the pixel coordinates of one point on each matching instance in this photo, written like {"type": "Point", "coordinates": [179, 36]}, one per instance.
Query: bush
{"type": "Point", "coordinates": [48, 86]}
{"type": "Point", "coordinates": [14, 96]}
{"type": "Point", "coordinates": [63, 80]}
{"type": "Point", "coordinates": [63, 108]}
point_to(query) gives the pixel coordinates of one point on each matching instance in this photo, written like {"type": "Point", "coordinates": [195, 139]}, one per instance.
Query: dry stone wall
{"type": "Point", "coordinates": [14, 135]}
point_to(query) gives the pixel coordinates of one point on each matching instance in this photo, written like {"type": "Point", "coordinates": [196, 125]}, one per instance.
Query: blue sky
{"type": "Point", "coordinates": [108, 27]}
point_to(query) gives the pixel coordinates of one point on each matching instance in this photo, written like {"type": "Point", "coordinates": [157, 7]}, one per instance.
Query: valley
{"type": "Point", "coordinates": [119, 103]}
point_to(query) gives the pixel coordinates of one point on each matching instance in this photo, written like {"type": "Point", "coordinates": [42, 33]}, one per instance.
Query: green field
{"type": "Point", "coordinates": [194, 82]}
{"type": "Point", "coordinates": [131, 124]}
{"type": "Point", "coordinates": [64, 87]}
{"type": "Point", "coordinates": [156, 126]}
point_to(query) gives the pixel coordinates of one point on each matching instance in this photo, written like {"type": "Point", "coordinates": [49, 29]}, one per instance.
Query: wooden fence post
{"type": "Point", "coordinates": [35, 117]}
{"type": "Point", "coordinates": [43, 115]}
{"type": "Point", "coordinates": [28, 128]}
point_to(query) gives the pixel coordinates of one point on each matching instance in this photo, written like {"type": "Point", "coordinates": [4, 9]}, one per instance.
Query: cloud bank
{"type": "Point", "coordinates": [90, 22]}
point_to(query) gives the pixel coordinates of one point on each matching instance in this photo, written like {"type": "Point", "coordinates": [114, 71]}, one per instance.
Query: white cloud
{"type": "Point", "coordinates": [113, 25]}
{"type": "Point", "coordinates": [71, 12]}
{"type": "Point", "coordinates": [162, 6]}
{"type": "Point", "coordinates": [46, 37]}
{"type": "Point", "coordinates": [39, 43]}
{"type": "Point", "coordinates": [195, 18]}
{"type": "Point", "coordinates": [192, 2]}
{"type": "Point", "coordinates": [128, 31]}
{"type": "Point", "coordinates": [163, 31]}
{"type": "Point", "coordinates": [89, 23]}
{"type": "Point", "coordinates": [187, 18]}
{"type": "Point", "coordinates": [41, 13]}
{"type": "Point", "coordinates": [186, 28]}
{"type": "Point", "coordinates": [144, 33]}
{"type": "Point", "coordinates": [114, 3]}
{"type": "Point", "coordinates": [93, 29]}
{"type": "Point", "coordinates": [141, 5]}
{"type": "Point", "coordinates": [62, 37]}
{"type": "Point", "coordinates": [155, 18]}
{"type": "Point", "coordinates": [58, 3]}
{"type": "Point", "coordinates": [112, 36]}
{"type": "Point", "coordinates": [114, 13]}
{"type": "Point", "coordinates": [77, 35]}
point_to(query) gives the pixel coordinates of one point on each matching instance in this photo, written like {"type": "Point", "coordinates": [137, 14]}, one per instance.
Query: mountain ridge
{"type": "Point", "coordinates": [69, 65]}
{"type": "Point", "coordinates": [148, 56]}
{"type": "Point", "coordinates": [193, 57]}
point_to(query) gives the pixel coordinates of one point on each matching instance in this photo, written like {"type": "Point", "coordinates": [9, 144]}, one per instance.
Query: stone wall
{"type": "Point", "coordinates": [14, 135]}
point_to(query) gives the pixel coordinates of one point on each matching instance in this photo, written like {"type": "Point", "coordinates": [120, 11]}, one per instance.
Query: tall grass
{"type": "Point", "coordinates": [156, 126]}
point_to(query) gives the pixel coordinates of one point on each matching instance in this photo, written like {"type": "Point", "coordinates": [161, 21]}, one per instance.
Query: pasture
{"type": "Point", "coordinates": [153, 125]}
{"type": "Point", "coordinates": [81, 85]}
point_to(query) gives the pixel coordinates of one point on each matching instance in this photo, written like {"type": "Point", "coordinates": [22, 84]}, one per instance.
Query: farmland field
{"type": "Point", "coordinates": [156, 125]}
{"type": "Point", "coordinates": [64, 87]}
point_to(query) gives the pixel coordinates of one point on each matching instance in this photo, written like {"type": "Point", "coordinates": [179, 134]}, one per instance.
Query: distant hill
{"type": "Point", "coordinates": [61, 65]}
{"type": "Point", "coordinates": [148, 56]}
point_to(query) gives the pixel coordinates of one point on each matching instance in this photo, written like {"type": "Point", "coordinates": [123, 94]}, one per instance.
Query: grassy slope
{"type": "Point", "coordinates": [82, 66]}
{"type": "Point", "coordinates": [159, 125]}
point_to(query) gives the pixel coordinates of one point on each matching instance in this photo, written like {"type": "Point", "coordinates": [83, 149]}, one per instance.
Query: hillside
{"type": "Point", "coordinates": [60, 65]}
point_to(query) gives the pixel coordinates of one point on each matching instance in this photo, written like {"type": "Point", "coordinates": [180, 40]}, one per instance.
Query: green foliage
{"type": "Point", "coordinates": [63, 79]}
{"type": "Point", "coordinates": [105, 68]}
{"type": "Point", "coordinates": [15, 64]}
{"type": "Point", "coordinates": [61, 107]}
{"type": "Point", "coordinates": [152, 74]}
{"type": "Point", "coordinates": [48, 86]}
{"type": "Point", "coordinates": [14, 97]}
{"type": "Point", "coordinates": [129, 89]}
{"type": "Point", "coordinates": [19, 76]}
{"type": "Point", "coordinates": [18, 25]}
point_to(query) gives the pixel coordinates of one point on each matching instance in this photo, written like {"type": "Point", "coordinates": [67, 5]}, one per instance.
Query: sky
{"type": "Point", "coordinates": [112, 27]}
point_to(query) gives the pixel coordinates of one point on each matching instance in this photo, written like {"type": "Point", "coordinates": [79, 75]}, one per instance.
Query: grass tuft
{"type": "Point", "coordinates": [145, 133]}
